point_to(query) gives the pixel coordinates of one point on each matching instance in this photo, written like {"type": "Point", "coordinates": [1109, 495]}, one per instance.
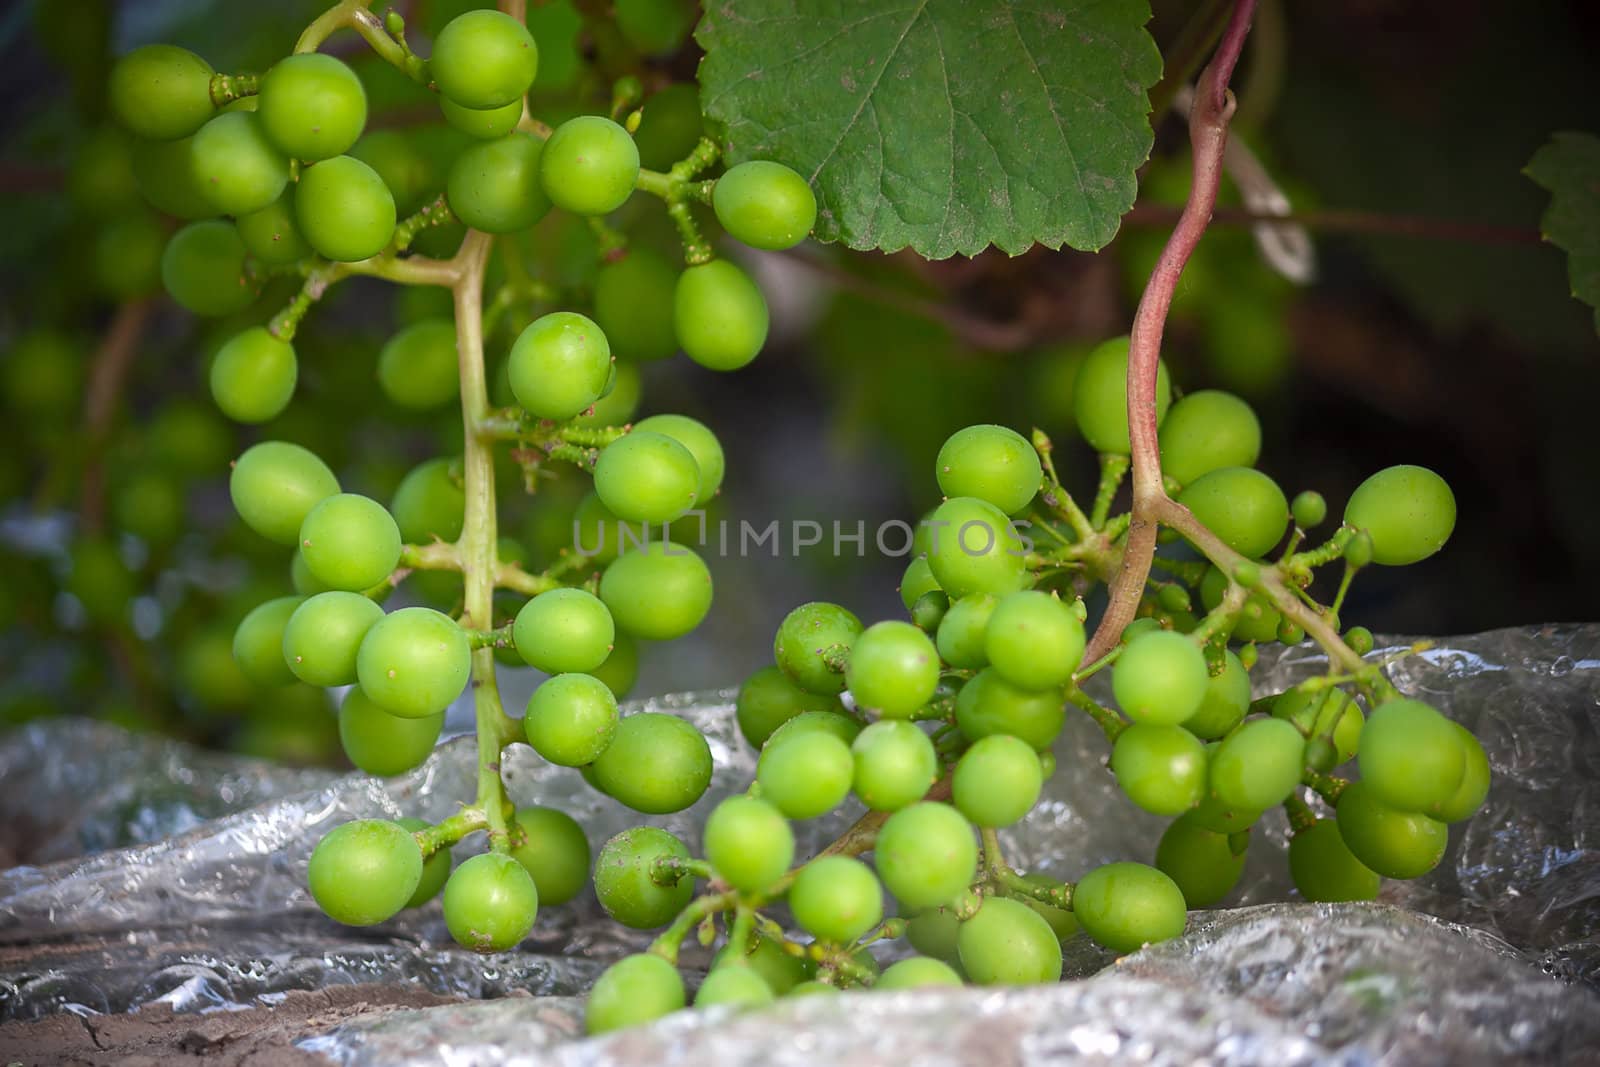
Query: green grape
{"type": "Point", "coordinates": [312, 106]}
{"type": "Point", "coordinates": [1324, 868]}
{"type": "Point", "coordinates": [836, 723]}
{"type": "Point", "coordinates": [655, 763]}
{"type": "Point", "coordinates": [658, 592]}
{"type": "Point", "coordinates": [365, 871]}
{"type": "Point", "coordinates": [893, 669]}
{"type": "Point", "coordinates": [1160, 678]}
{"type": "Point", "coordinates": [203, 269]}
{"type": "Point", "coordinates": [809, 634]}
{"type": "Point", "coordinates": [991, 463]}
{"type": "Point", "coordinates": [206, 669]}
{"type": "Point", "coordinates": [1258, 619]}
{"type": "Point", "coordinates": [618, 404]}
{"type": "Point", "coordinates": [702, 444]}
{"type": "Point", "coordinates": [485, 124]}
{"type": "Point", "coordinates": [719, 315]}
{"type": "Point", "coordinates": [571, 719]}
{"type": "Point", "coordinates": [1208, 431]}
{"type": "Point", "coordinates": [780, 970]}
{"type": "Point", "coordinates": [623, 882]}
{"type": "Point", "coordinates": [564, 630]}
{"type": "Point", "coordinates": [962, 631]}
{"type": "Point", "coordinates": [186, 439]}
{"type": "Point", "coordinates": [414, 662]}
{"type": "Point", "coordinates": [813, 988]}
{"type": "Point", "coordinates": [350, 542]}
{"type": "Point", "coordinates": [918, 972]}
{"type": "Point", "coordinates": [435, 869]}
{"type": "Point", "coordinates": [917, 580]}
{"type": "Point", "coordinates": [765, 205]}
{"type": "Point", "coordinates": [988, 705]}
{"type": "Point", "coordinates": [934, 932]}
{"type": "Point", "coordinates": [974, 549]}
{"type": "Point", "coordinates": [670, 126]}
{"type": "Point", "coordinates": [417, 367]}
{"type": "Point", "coordinates": [1161, 767]}
{"type": "Point", "coordinates": [895, 765]}
{"type": "Point", "coordinates": [161, 92]}
{"type": "Point", "coordinates": [926, 854]}
{"type": "Point", "coordinates": [1394, 843]}
{"type": "Point", "coordinates": [733, 984]}
{"type": "Point", "coordinates": [1008, 943]}
{"type": "Point", "coordinates": [1060, 920]}
{"type": "Point", "coordinates": [429, 503]}
{"type": "Point", "coordinates": [271, 234]}
{"type": "Point", "coordinates": [768, 699]}
{"type": "Point", "coordinates": [236, 165]}
{"type": "Point", "coordinates": [1199, 861]}
{"type": "Point", "coordinates": [554, 850]}
{"type": "Point", "coordinates": [655, 27]}
{"type": "Point", "coordinates": [621, 669]}
{"type": "Point", "coordinates": [598, 534]}
{"type": "Point", "coordinates": [1474, 788]}
{"type": "Point", "coordinates": [1100, 396]}
{"type": "Point", "coordinates": [1316, 709]}
{"type": "Point", "coordinates": [258, 642]}
{"type": "Point", "coordinates": [323, 636]}
{"type": "Point", "coordinates": [558, 368]}
{"type": "Point", "coordinates": [1034, 641]}
{"type": "Point", "coordinates": [589, 166]}
{"type": "Point", "coordinates": [997, 781]}
{"type": "Point", "coordinates": [494, 185]}
{"type": "Point", "coordinates": [127, 256]}
{"type": "Point", "coordinates": [1308, 509]}
{"type": "Point", "coordinates": [382, 744]}
{"type": "Point", "coordinates": [633, 305]}
{"type": "Point", "coordinates": [1126, 906]}
{"type": "Point", "coordinates": [490, 903]}
{"type": "Point", "coordinates": [805, 773]}
{"type": "Point", "coordinates": [836, 899]}
{"type": "Point", "coordinates": [275, 484]}
{"type": "Point", "coordinates": [150, 505]}
{"type": "Point", "coordinates": [397, 159]}
{"type": "Point", "coordinates": [1226, 699]}
{"type": "Point", "coordinates": [1258, 765]}
{"type": "Point", "coordinates": [165, 174]}
{"type": "Point", "coordinates": [100, 180]}
{"type": "Point", "coordinates": [345, 211]}
{"type": "Point", "coordinates": [635, 990]}
{"type": "Point", "coordinates": [1408, 511]}
{"type": "Point", "coordinates": [484, 59]}
{"type": "Point", "coordinates": [1222, 818]}
{"type": "Point", "coordinates": [1359, 638]}
{"type": "Point", "coordinates": [748, 842]}
{"type": "Point", "coordinates": [101, 581]}
{"type": "Point", "coordinates": [1242, 506]}
{"type": "Point", "coordinates": [254, 376]}
{"type": "Point", "coordinates": [1411, 757]}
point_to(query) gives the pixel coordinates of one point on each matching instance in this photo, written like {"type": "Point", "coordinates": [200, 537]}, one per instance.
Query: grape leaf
{"type": "Point", "coordinates": [1569, 167]}
{"type": "Point", "coordinates": [946, 125]}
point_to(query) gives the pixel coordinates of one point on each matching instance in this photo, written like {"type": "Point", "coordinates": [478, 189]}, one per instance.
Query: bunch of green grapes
{"type": "Point", "coordinates": [270, 171]}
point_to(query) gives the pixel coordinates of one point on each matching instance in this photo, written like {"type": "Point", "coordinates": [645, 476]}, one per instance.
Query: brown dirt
{"type": "Point", "coordinates": [158, 1037]}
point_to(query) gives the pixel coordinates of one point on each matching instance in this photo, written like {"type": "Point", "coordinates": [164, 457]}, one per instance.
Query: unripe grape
{"type": "Point", "coordinates": [490, 903]}
{"type": "Point", "coordinates": [322, 639]}
{"type": "Point", "coordinates": [161, 92]}
{"type": "Point", "coordinates": [1324, 868]}
{"type": "Point", "coordinates": [236, 165]}
{"type": "Point", "coordinates": [554, 850]}
{"type": "Point", "coordinates": [494, 186]}
{"type": "Point", "coordinates": [917, 580]}
{"type": "Point", "coordinates": [623, 882]}
{"type": "Point", "coordinates": [1100, 396]}
{"type": "Point", "coordinates": [589, 166]}
{"type": "Point", "coordinates": [963, 629]}
{"type": "Point", "coordinates": [765, 205]}
{"type": "Point", "coordinates": [202, 268]}
{"type": "Point", "coordinates": [1033, 640]}
{"type": "Point", "coordinates": [350, 542]}
{"type": "Point", "coordinates": [1199, 861]}
{"type": "Point", "coordinates": [768, 699]}
{"type": "Point", "coordinates": [484, 59]}
{"type": "Point", "coordinates": [1125, 906]}
{"type": "Point", "coordinates": [1226, 699]}
{"type": "Point", "coordinates": [749, 843]}
{"type": "Point", "coordinates": [1259, 765]}
{"type": "Point", "coordinates": [655, 763]}
{"type": "Point", "coordinates": [1394, 843]}
{"type": "Point", "coordinates": [1160, 678]}
{"type": "Point", "coordinates": [312, 106]}
{"type": "Point", "coordinates": [997, 781]}
{"type": "Point", "coordinates": [344, 209]}
{"type": "Point", "coordinates": [570, 719]}
{"type": "Point", "coordinates": [805, 774]}
{"type": "Point", "coordinates": [1206, 431]}
{"type": "Point", "coordinates": [636, 989]}
{"type": "Point", "coordinates": [895, 765]}
{"type": "Point", "coordinates": [1411, 757]}
{"type": "Point", "coordinates": [258, 642]}
{"type": "Point", "coordinates": [918, 972]}
{"type": "Point", "coordinates": [484, 124]}
{"type": "Point", "coordinates": [974, 549]}
{"type": "Point", "coordinates": [926, 854]}
{"type": "Point", "coordinates": [383, 744]}
{"type": "Point", "coordinates": [719, 315]}
{"type": "Point", "coordinates": [364, 872]}
{"type": "Point", "coordinates": [1161, 767]}
{"type": "Point", "coordinates": [807, 634]}
{"type": "Point", "coordinates": [988, 705]}
{"type": "Point", "coordinates": [733, 984]}
{"type": "Point", "coordinates": [564, 630]}
{"type": "Point", "coordinates": [1308, 509]}
{"type": "Point", "coordinates": [275, 484]}
{"type": "Point", "coordinates": [418, 368]}
{"type": "Point", "coordinates": [1408, 511]}
{"type": "Point", "coordinates": [1008, 943]}
{"type": "Point", "coordinates": [253, 376]}
{"type": "Point", "coordinates": [893, 669]}
{"type": "Point", "coordinates": [1242, 506]}
{"type": "Point", "coordinates": [702, 444]}
{"type": "Point", "coordinates": [435, 869]}
{"type": "Point", "coordinates": [1474, 788]}
{"type": "Point", "coordinates": [414, 662]}
{"type": "Point", "coordinates": [647, 477]}
{"type": "Point", "coordinates": [558, 368]}
{"type": "Point", "coordinates": [658, 592]}
{"type": "Point", "coordinates": [633, 298]}
{"type": "Point", "coordinates": [272, 235]}
{"type": "Point", "coordinates": [836, 899]}
{"type": "Point", "coordinates": [429, 503]}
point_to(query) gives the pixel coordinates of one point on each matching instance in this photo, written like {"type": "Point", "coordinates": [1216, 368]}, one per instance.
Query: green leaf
{"type": "Point", "coordinates": [945, 125]}
{"type": "Point", "coordinates": [1569, 167]}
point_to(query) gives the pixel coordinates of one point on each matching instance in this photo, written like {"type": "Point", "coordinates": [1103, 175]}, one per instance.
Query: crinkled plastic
{"type": "Point", "coordinates": [216, 915]}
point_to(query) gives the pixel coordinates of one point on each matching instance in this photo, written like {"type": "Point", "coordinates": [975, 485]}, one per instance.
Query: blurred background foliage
{"type": "Point", "coordinates": [125, 570]}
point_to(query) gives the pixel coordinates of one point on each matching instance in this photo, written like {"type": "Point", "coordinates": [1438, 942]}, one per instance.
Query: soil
{"type": "Point", "coordinates": [158, 1037]}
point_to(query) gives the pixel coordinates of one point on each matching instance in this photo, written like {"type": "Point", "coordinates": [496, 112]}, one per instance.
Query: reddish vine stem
{"type": "Point", "coordinates": [1208, 133]}
{"type": "Point", "coordinates": [108, 371]}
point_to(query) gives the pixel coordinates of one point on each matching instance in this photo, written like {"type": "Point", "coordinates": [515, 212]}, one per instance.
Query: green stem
{"type": "Point", "coordinates": [1110, 723]}
{"type": "Point", "coordinates": [671, 940]}
{"type": "Point", "coordinates": [226, 88]}
{"type": "Point", "coordinates": [1113, 468]}
{"type": "Point", "coordinates": [464, 822]}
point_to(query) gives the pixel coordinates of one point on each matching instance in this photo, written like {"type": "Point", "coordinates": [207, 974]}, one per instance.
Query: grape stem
{"type": "Point", "coordinates": [354, 15]}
